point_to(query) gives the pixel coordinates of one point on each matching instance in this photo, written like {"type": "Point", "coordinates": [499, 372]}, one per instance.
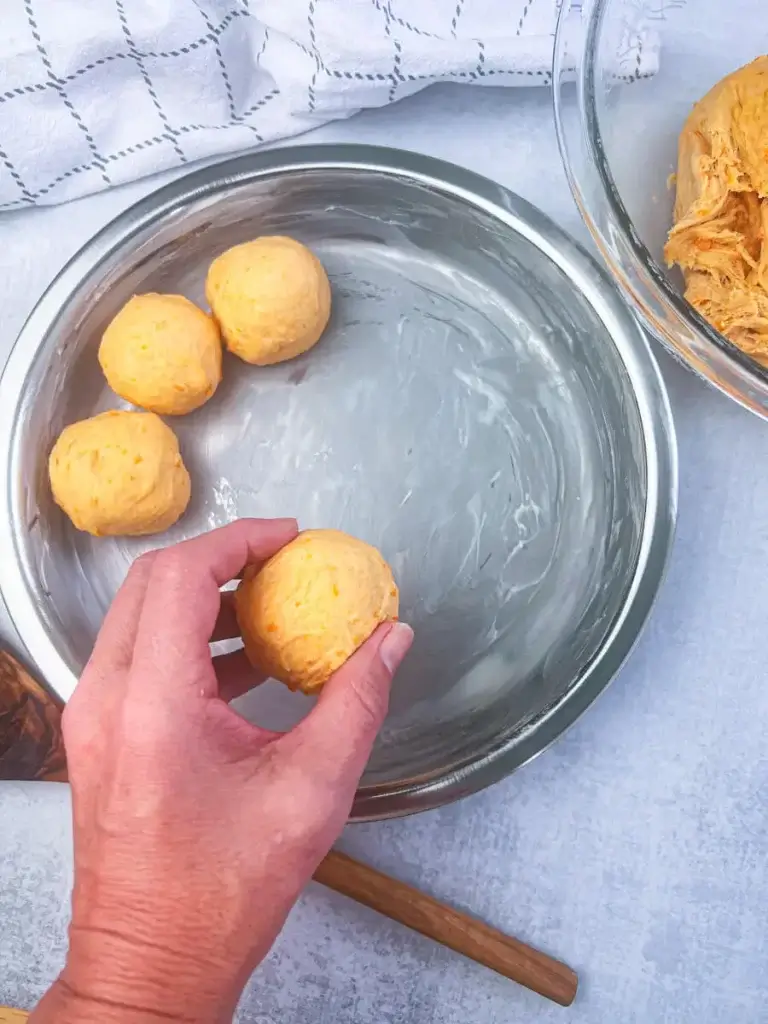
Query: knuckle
{"type": "Point", "coordinates": [170, 563]}
{"type": "Point", "coordinates": [142, 566]}
{"type": "Point", "coordinates": [144, 724]}
{"type": "Point", "coordinates": [320, 809]}
{"type": "Point", "coordinates": [79, 726]}
{"type": "Point", "coordinates": [322, 803]}
{"type": "Point", "coordinates": [70, 722]}
{"type": "Point", "coordinates": [171, 571]}
{"type": "Point", "coordinates": [315, 800]}
{"type": "Point", "coordinates": [370, 693]}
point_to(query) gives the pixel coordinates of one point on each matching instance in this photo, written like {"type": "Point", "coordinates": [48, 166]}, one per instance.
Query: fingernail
{"type": "Point", "coordinates": [395, 646]}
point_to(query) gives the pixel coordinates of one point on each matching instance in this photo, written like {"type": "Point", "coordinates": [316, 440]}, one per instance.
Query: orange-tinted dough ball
{"type": "Point", "coordinates": [271, 298]}
{"type": "Point", "coordinates": [119, 473]}
{"type": "Point", "coordinates": [312, 605]}
{"type": "Point", "coordinates": [162, 353]}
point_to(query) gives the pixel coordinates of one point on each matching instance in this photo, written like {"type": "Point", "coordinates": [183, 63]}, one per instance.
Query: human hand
{"type": "Point", "coordinates": [194, 830]}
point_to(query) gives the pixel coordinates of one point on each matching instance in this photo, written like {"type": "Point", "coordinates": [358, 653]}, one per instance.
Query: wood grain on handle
{"type": "Point", "coordinates": [451, 928]}
{"type": "Point", "coordinates": [10, 1016]}
{"type": "Point", "coordinates": [31, 748]}
{"type": "Point", "coordinates": [30, 727]}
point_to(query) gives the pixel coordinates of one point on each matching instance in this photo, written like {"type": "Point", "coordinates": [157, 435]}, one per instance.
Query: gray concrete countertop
{"type": "Point", "coordinates": [635, 849]}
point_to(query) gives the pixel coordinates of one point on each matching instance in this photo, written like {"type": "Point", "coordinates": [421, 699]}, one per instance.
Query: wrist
{"type": "Point", "coordinates": [63, 1005]}
{"type": "Point", "coordinates": [112, 979]}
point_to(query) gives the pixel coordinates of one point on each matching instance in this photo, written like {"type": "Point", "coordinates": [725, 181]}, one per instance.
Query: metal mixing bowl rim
{"type": "Point", "coordinates": [649, 271]}
{"type": "Point", "coordinates": [660, 450]}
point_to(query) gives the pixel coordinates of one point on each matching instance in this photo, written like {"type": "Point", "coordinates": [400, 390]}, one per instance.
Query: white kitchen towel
{"type": "Point", "coordinates": [94, 93]}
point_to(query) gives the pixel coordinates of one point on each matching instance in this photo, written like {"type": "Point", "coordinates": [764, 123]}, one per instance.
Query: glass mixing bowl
{"type": "Point", "coordinates": [639, 66]}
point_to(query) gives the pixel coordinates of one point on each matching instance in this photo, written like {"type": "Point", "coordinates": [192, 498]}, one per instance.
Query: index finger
{"type": "Point", "coordinates": [182, 597]}
{"type": "Point", "coordinates": [113, 649]}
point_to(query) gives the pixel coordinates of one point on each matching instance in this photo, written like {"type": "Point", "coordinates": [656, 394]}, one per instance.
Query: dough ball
{"type": "Point", "coordinates": [163, 353]}
{"type": "Point", "coordinates": [119, 473]}
{"type": "Point", "coordinates": [312, 605]}
{"type": "Point", "coordinates": [721, 208]}
{"type": "Point", "coordinates": [271, 298]}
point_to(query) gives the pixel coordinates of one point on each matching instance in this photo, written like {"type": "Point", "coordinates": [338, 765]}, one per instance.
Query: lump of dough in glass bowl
{"type": "Point", "coordinates": [271, 298]}
{"type": "Point", "coordinates": [162, 353]}
{"type": "Point", "coordinates": [119, 474]}
{"type": "Point", "coordinates": [312, 605]}
{"type": "Point", "coordinates": [721, 208]}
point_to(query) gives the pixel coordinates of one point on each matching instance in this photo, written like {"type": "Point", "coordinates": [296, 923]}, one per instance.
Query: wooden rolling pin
{"type": "Point", "coordinates": [31, 748]}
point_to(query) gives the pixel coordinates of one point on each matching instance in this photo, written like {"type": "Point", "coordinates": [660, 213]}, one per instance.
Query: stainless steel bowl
{"type": "Point", "coordinates": [483, 408]}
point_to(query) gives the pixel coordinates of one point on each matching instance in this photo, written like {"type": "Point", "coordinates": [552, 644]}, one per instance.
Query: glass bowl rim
{"type": "Point", "coordinates": [650, 271]}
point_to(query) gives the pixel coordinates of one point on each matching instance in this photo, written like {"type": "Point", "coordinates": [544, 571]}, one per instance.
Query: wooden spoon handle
{"type": "Point", "coordinates": [30, 727]}
{"type": "Point", "coordinates": [420, 912]}
{"type": "Point", "coordinates": [10, 1016]}
{"type": "Point", "coordinates": [31, 748]}
{"type": "Point", "coordinates": [451, 928]}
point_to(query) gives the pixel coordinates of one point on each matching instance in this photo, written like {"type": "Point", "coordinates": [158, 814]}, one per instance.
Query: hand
{"type": "Point", "coordinates": [195, 831]}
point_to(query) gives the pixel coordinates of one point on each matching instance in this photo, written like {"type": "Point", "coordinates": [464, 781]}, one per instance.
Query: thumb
{"type": "Point", "coordinates": [337, 736]}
